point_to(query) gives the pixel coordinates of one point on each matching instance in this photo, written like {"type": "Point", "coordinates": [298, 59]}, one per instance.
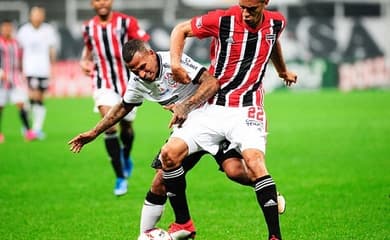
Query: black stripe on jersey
{"type": "Point", "coordinates": [109, 58]}
{"type": "Point", "coordinates": [277, 27]}
{"type": "Point", "coordinates": [224, 31]}
{"type": "Point", "coordinates": [126, 104]}
{"type": "Point", "coordinates": [250, 51]}
{"type": "Point", "coordinates": [123, 26]}
{"type": "Point", "coordinates": [171, 100]}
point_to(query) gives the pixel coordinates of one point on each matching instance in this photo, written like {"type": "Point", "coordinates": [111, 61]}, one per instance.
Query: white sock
{"type": "Point", "coordinates": [150, 215]}
{"type": "Point", "coordinates": [39, 114]}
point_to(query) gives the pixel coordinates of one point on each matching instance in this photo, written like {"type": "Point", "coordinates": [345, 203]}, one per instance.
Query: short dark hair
{"type": "Point", "coordinates": [131, 47]}
{"type": "Point", "coordinates": [6, 20]}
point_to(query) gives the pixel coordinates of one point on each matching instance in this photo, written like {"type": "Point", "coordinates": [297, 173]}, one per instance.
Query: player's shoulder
{"type": "Point", "coordinates": [274, 15]}
{"type": "Point", "coordinates": [117, 14]}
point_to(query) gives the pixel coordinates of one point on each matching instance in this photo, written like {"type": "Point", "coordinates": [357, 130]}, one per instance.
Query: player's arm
{"type": "Point", "coordinates": [178, 35]}
{"type": "Point", "coordinates": [209, 85]}
{"type": "Point", "coordinates": [280, 65]}
{"type": "Point", "coordinates": [115, 114]}
{"type": "Point", "coordinates": [86, 62]}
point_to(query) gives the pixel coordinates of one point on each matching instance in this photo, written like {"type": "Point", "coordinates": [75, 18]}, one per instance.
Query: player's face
{"type": "Point", "coordinates": [102, 7]}
{"type": "Point", "coordinates": [37, 16]}
{"type": "Point", "coordinates": [6, 29]}
{"type": "Point", "coordinates": [144, 65]}
{"type": "Point", "coordinates": [252, 11]}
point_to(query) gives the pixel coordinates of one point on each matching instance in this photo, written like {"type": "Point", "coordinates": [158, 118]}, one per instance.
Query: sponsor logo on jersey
{"type": "Point", "coordinates": [188, 63]}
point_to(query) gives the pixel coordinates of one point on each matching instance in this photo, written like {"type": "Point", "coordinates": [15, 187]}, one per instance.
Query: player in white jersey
{"type": "Point", "coordinates": [154, 83]}
{"type": "Point", "coordinates": [38, 41]}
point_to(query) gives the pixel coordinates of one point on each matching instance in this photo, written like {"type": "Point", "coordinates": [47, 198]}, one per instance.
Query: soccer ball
{"type": "Point", "coordinates": [155, 234]}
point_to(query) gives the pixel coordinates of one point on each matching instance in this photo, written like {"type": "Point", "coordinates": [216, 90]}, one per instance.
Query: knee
{"type": "Point", "coordinates": [170, 156]}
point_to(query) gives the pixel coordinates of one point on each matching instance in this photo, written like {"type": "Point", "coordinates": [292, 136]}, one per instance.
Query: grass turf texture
{"type": "Point", "coordinates": [327, 151]}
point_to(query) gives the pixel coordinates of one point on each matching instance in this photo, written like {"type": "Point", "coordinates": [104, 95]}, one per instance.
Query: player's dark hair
{"type": "Point", "coordinates": [6, 20]}
{"type": "Point", "coordinates": [131, 47]}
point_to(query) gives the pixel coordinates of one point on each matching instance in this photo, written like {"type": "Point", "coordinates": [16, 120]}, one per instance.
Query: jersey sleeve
{"type": "Point", "coordinates": [86, 38]}
{"type": "Point", "coordinates": [135, 32]}
{"type": "Point", "coordinates": [133, 94]}
{"type": "Point", "coordinates": [206, 25]}
{"type": "Point", "coordinates": [193, 68]}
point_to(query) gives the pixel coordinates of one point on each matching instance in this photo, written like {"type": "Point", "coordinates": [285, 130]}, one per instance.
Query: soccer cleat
{"type": "Point", "coordinates": [2, 139]}
{"type": "Point", "coordinates": [40, 135]}
{"type": "Point", "coordinates": [120, 187]}
{"type": "Point", "coordinates": [182, 231]}
{"type": "Point", "coordinates": [273, 237]}
{"type": "Point", "coordinates": [30, 135]}
{"type": "Point", "coordinates": [281, 204]}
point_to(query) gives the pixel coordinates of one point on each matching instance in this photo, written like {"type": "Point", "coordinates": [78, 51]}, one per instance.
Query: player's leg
{"type": "Point", "coordinates": [127, 138]}
{"type": "Point", "coordinates": [265, 189]}
{"type": "Point", "coordinates": [172, 154]}
{"type": "Point", "coordinates": [113, 148]}
{"type": "Point", "coordinates": [37, 86]}
{"type": "Point", "coordinates": [252, 141]}
{"type": "Point", "coordinates": [19, 97]}
{"type": "Point", "coordinates": [3, 100]}
{"type": "Point", "coordinates": [156, 197]}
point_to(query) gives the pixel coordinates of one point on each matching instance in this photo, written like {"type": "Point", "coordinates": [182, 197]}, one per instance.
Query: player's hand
{"type": "Point", "coordinates": [180, 114]}
{"type": "Point", "coordinates": [77, 143]}
{"type": "Point", "coordinates": [180, 75]}
{"type": "Point", "coordinates": [289, 78]}
{"type": "Point", "coordinates": [87, 67]}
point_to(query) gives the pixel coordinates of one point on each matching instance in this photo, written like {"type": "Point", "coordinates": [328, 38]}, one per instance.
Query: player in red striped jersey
{"type": "Point", "coordinates": [244, 38]}
{"type": "Point", "coordinates": [104, 36]}
{"type": "Point", "coordinates": [11, 85]}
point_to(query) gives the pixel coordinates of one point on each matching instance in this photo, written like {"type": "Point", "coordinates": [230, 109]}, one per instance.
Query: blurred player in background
{"type": "Point", "coordinates": [104, 36]}
{"type": "Point", "coordinates": [244, 38]}
{"type": "Point", "coordinates": [11, 84]}
{"type": "Point", "coordinates": [38, 40]}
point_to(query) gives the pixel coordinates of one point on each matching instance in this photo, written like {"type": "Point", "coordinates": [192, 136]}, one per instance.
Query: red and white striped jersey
{"type": "Point", "coordinates": [106, 42]}
{"type": "Point", "coordinates": [239, 54]}
{"type": "Point", "coordinates": [10, 55]}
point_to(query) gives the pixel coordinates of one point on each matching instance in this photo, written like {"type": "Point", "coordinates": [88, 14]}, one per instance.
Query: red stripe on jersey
{"type": "Point", "coordinates": [10, 61]}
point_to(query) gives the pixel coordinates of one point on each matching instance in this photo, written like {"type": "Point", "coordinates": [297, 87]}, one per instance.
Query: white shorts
{"type": "Point", "coordinates": [206, 127]}
{"type": "Point", "coordinates": [13, 95]}
{"type": "Point", "coordinates": [107, 97]}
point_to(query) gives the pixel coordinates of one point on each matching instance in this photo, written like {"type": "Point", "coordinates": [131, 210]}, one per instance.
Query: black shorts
{"type": "Point", "coordinates": [191, 160]}
{"type": "Point", "coordinates": [40, 83]}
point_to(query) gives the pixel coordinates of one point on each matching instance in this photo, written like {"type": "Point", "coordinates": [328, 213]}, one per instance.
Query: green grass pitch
{"type": "Point", "coordinates": [329, 153]}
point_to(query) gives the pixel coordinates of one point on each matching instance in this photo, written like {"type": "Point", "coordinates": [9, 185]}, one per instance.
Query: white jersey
{"type": "Point", "coordinates": [36, 44]}
{"type": "Point", "coordinates": [164, 89]}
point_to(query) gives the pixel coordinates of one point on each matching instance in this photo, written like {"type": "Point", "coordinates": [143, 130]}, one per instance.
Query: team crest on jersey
{"type": "Point", "coordinates": [169, 78]}
{"type": "Point", "coordinates": [270, 38]}
{"type": "Point", "coordinates": [198, 22]}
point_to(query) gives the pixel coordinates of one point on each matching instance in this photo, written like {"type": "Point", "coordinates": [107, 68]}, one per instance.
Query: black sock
{"type": "Point", "coordinates": [156, 199]}
{"type": "Point", "coordinates": [265, 189]}
{"type": "Point", "coordinates": [114, 151]}
{"type": "Point", "coordinates": [24, 118]}
{"type": "Point", "coordinates": [127, 138]}
{"type": "Point", "coordinates": [175, 184]}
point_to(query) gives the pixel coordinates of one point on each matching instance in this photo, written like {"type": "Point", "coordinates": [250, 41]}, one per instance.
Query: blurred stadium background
{"type": "Point", "coordinates": [339, 44]}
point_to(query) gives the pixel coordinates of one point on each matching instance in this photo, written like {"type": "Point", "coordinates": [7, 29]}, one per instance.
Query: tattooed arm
{"type": "Point", "coordinates": [209, 85]}
{"type": "Point", "coordinates": [111, 118]}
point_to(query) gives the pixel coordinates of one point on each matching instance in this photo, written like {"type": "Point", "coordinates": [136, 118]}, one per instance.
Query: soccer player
{"type": "Point", "coordinates": [104, 36]}
{"type": "Point", "coordinates": [38, 40]}
{"type": "Point", "coordinates": [157, 85]}
{"type": "Point", "coordinates": [11, 84]}
{"type": "Point", "coordinates": [244, 38]}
